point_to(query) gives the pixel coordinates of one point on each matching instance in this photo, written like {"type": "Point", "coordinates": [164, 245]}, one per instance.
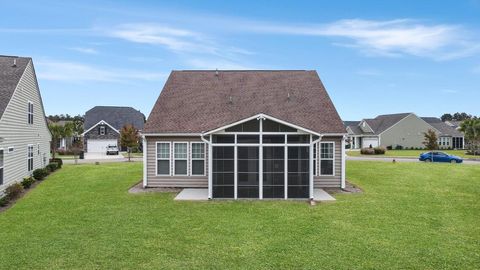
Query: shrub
{"type": "Point", "coordinates": [389, 147]}
{"type": "Point", "coordinates": [59, 162]}
{"type": "Point", "coordinates": [53, 166]}
{"type": "Point", "coordinates": [367, 151]}
{"type": "Point", "coordinates": [379, 150]}
{"type": "Point", "coordinates": [63, 152]}
{"type": "Point", "coordinates": [3, 201]}
{"type": "Point", "coordinates": [40, 174]}
{"type": "Point", "coordinates": [27, 182]}
{"type": "Point", "coordinates": [13, 191]}
{"type": "Point", "coordinates": [398, 147]}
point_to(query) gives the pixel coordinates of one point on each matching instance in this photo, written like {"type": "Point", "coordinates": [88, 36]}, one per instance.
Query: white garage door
{"type": "Point", "coordinates": [99, 146]}
{"type": "Point", "coordinates": [370, 141]}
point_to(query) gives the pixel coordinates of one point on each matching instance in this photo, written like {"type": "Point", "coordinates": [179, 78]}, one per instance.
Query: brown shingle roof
{"type": "Point", "coordinates": [10, 77]}
{"type": "Point", "coordinates": [200, 101]}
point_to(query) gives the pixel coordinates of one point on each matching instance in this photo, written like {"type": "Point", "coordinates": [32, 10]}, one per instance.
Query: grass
{"type": "Point", "coordinates": [66, 157]}
{"type": "Point", "coordinates": [410, 153]}
{"type": "Point", "coordinates": [133, 155]}
{"type": "Point", "coordinates": [411, 216]}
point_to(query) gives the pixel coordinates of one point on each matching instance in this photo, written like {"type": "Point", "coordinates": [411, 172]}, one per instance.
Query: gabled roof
{"type": "Point", "coordinates": [353, 125]}
{"type": "Point", "coordinates": [442, 127]}
{"type": "Point", "coordinates": [115, 116]}
{"type": "Point", "coordinates": [382, 122]}
{"type": "Point", "coordinates": [201, 101]}
{"type": "Point", "coordinates": [10, 76]}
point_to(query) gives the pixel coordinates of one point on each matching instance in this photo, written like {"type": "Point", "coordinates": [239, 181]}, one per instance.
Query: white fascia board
{"type": "Point", "coordinates": [100, 122]}
{"type": "Point", "coordinates": [261, 115]}
{"type": "Point", "coordinates": [171, 134]}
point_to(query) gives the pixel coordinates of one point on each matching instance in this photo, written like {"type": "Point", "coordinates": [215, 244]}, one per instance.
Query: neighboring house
{"type": "Point", "coordinates": [454, 124]}
{"type": "Point", "coordinates": [402, 129]}
{"type": "Point", "coordinates": [245, 134]}
{"type": "Point", "coordinates": [24, 135]}
{"type": "Point", "coordinates": [103, 124]}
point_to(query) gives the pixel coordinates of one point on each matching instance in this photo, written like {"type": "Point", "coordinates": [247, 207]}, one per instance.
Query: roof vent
{"type": "Point", "coordinates": [288, 95]}
{"type": "Point", "coordinates": [14, 62]}
{"type": "Point", "coordinates": [230, 100]}
{"type": "Point", "coordinates": [216, 72]}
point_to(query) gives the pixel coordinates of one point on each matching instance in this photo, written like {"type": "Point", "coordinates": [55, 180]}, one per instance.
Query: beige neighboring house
{"type": "Point", "coordinates": [24, 135]}
{"type": "Point", "coordinates": [245, 134]}
{"type": "Point", "coordinates": [401, 129]}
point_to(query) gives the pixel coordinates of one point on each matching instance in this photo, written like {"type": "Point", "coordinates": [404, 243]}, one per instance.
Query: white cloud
{"type": "Point", "coordinates": [85, 50]}
{"type": "Point", "coordinates": [388, 38]}
{"type": "Point", "coordinates": [77, 72]}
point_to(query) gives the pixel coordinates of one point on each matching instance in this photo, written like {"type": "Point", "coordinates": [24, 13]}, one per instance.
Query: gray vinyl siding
{"type": "Point", "coordinates": [17, 133]}
{"type": "Point", "coordinates": [330, 181]}
{"type": "Point", "coordinates": [202, 181]}
{"type": "Point", "coordinates": [173, 181]}
{"type": "Point", "coordinates": [409, 132]}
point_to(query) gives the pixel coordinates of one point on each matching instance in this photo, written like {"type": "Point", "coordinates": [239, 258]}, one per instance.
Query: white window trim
{"type": "Point", "coordinates": [204, 159]}
{"type": "Point", "coordinates": [102, 130]}
{"type": "Point", "coordinates": [320, 159]}
{"type": "Point", "coordinates": [169, 158]}
{"type": "Point", "coordinates": [172, 157]}
{"type": "Point", "coordinates": [28, 157]}
{"type": "Point", "coordinates": [30, 113]}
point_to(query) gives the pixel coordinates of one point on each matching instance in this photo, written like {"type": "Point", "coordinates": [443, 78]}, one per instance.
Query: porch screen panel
{"type": "Point", "coordinates": [273, 172]}
{"type": "Point", "coordinates": [248, 172]}
{"type": "Point", "coordinates": [223, 171]}
{"type": "Point", "coordinates": [298, 171]}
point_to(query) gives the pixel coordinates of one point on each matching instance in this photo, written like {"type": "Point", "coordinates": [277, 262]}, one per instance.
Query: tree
{"type": "Point", "coordinates": [471, 129]}
{"type": "Point", "coordinates": [58, 132]}
{"type": "Point", "coordinates": [446, 117]}
{"type": "Point", "coordinates": [461, 116]}
{"type": "Point", "coordinates": [129, 138]}
{"type": "Point", "coordinates": [431, 140]}
{"type": "Point", "coordinates": [77, 148]}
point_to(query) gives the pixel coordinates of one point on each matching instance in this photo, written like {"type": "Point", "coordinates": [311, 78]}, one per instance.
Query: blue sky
{"type": "Point", "coordinates": [374, 57]}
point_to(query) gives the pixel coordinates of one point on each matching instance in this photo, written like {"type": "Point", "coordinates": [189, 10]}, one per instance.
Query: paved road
{"type": "Point", "coordinates": [390, 159]}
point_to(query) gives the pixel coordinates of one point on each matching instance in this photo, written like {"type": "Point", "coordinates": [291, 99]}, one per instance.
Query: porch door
{"type": "Point", "coordinates": [223, 180]}
{"type": "Point", "coordinates": [248, 172]}
{"type": "Point", "coordinates": [298, 171]}
{"type": "Point", "coordinates": [274, 172]}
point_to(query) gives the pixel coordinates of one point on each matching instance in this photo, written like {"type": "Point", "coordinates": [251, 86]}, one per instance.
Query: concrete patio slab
{"type": "Point", "coordinates": [192, 194]}
{"type": "Point", "coordinates": [322, 196]}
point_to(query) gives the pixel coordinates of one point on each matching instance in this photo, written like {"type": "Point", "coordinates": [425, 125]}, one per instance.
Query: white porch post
{"type": "Point", "coordinates": [260, 160]}
{"type": "Point", "coordinates": [343, 162]}
{"type": "Point", "coordinates": [144, 143]}
{"type": "Point", "coordinates": [310, 178]}
{"type": "Point", "coordinates": [285, 156]}
{"type": "Point", "coordinates": [210, 169]}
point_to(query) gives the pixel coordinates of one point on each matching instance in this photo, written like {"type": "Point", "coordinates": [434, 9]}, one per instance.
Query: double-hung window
{"type": "Point", "coordinates": [180, 154]}
{"type": "Point", "coordinates": [30, 113]}
{"type": "Point", "coordinates": [327, 157]}
{"type": "Point", "coordinates": [163, 158]}
{"type": "Point", "coordinates": [30, 158]}
{"type": "Point", "coordinates": [198, 158]}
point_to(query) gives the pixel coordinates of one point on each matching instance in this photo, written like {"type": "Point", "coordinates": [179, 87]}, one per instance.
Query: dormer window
{"type": "Point", "coordinates": [30, 113]}
{"type": "Point", "coordinates": [102, 130]}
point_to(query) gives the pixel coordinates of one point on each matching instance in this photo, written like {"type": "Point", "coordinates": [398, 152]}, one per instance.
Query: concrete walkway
{"type": "Point", "coordinates": [192, 194]}
{"type": "Point", "coordinates": [321, 195]}
{"type": "Point", "coordinates": [201, 194]}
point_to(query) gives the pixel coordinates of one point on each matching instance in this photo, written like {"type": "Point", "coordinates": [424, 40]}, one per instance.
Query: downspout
{"type": "Point", "coordinates": [144, 145]}
{"type": "Point", "coordinates": [313, 164]}
{"type": "Point", "coordinates": [343, 163]}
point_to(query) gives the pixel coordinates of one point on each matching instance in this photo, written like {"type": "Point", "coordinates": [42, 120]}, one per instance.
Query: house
{"type": "Point", "coordinates": [245, 134]}
{"type": "Point", "coordinates": [24, 135]}
{"type": "Point", "coordinates": [455, 124]}
{"type": "Point", "coordinates": [103, 124]}
{"type": "Point", "coordinates": [404, 130]}
{"type": "Point", "coordinates": [62, 144]}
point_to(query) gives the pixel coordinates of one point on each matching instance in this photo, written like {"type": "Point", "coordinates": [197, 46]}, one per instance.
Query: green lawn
{"type": "Point", "coordinates": [410, 153]}
{"type": "Point", "coordinates": [65, 156]}
{"type": "Point", "coordinates": [411, 216]}
{"type": "Point", "coordinates": [133, 155]}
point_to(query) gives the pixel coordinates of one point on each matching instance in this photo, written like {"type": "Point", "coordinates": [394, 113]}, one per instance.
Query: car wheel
{"type": "Point", "coordinates": [428, 160]}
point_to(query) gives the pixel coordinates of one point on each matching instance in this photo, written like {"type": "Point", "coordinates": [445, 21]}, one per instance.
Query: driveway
{"type": "Point", "coordinates": [101, 156]}
{"type": "Point", "coordinates": [390, 159]}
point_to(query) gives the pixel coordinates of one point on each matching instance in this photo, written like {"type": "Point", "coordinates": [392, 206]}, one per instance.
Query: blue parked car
{"type": "Point", "coordinates": [439, 157]}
